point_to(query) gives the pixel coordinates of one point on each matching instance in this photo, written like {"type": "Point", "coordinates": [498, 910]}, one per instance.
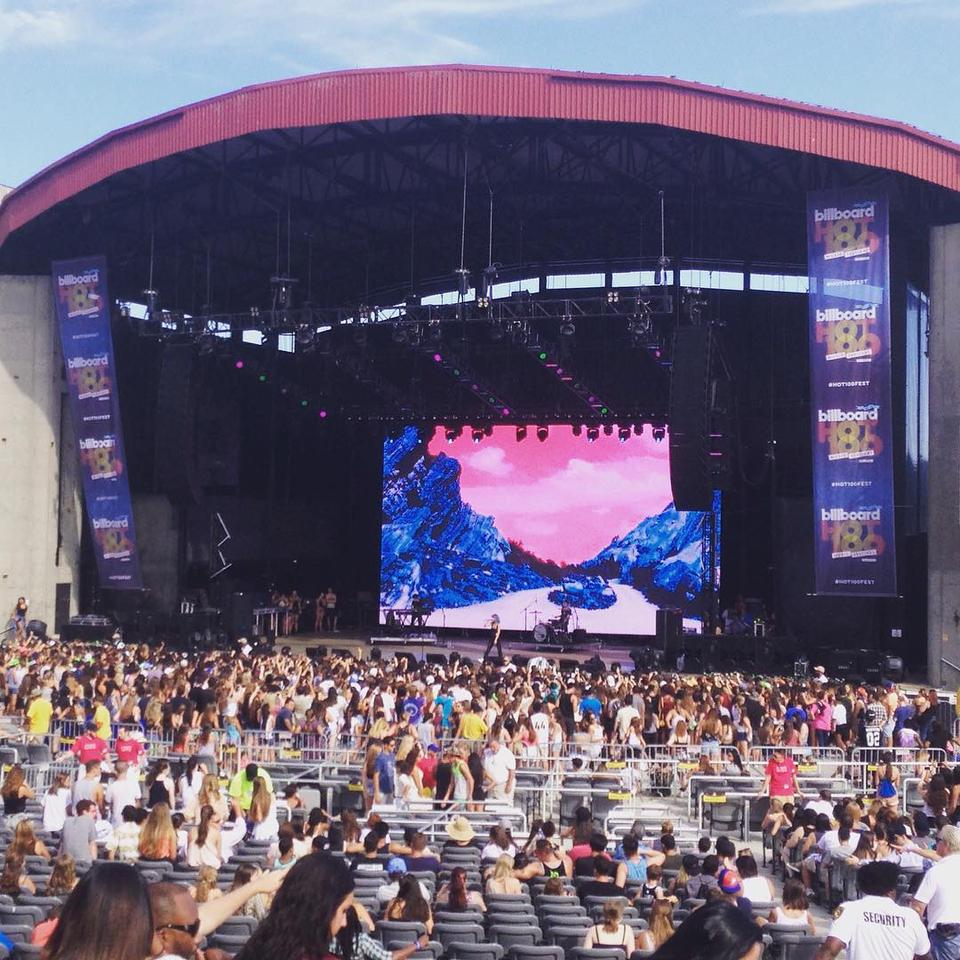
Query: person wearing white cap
{"type": "Point", "coordinates": [938, 897]}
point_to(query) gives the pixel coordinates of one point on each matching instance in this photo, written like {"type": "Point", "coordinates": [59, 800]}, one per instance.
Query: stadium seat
{"type": "Point", "coordinates": [596, 953]}
{"type": "Point", "coordinates": [538, 952]}
{"type": "Point", "coordinates": [226, 943]}
{"type": "Point", "coordinates": [474, 951]}
{"type": "Point", "coordinates": [449, 933]}
{"type": "Point", "coordinates": [515, 934]}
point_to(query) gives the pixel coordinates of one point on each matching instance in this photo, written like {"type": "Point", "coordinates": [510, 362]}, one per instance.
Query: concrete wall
{"type": "Point", "coordinates": [943, 552]}
{"type": "Point", "coordinates": [31, 485]}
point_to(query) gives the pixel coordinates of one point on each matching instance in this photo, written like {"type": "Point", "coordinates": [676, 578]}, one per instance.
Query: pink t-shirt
{"type": "Point", "coordinates": [824, 719]}
{"type": "Point", "coordinates": [781, 774]}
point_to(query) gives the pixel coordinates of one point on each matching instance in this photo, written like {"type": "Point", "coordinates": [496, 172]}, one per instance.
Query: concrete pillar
{"type": "Point", "coordinates": [943, 538]}
{"type": "Point", "coordinates": [40, 506]}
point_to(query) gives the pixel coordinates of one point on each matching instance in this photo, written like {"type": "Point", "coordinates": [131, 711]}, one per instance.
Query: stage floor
{"type": "Point", "coordinates": [360, 644]}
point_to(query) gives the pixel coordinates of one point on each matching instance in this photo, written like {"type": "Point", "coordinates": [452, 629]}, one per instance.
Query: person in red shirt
{"type": "Point", "coordinates": [89, 747]}
{"type": "Point", "coordinates": [427, 765]}
{"type": "Point", "coordinates": [780, 776]}
{"type": "Point", "coordinates": [128, 748]}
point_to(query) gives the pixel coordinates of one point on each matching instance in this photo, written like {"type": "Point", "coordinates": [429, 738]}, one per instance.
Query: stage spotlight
{"type": "Point", "coordinates": [577, 429]}
{"type": "Point", "coordinates": [543, 432]}
{"type": "Point", "coordinates": [476, 434]}
{"type": "Point", "coordinates": [239, 364]}
{"type": "Point", "coordinates": [568, 328]}
{"type": "Point", "coordinates": [659, 433]}
{"type": "Point", "coordinates": [521, 433]}
{"type": "Point", "coordinates": [451, 433]}
{"type": "Point", "coordinates": [322, 414]}
{"type": "Point", "coordinates": [608, 429]}
{"type": "Point", "coordinates": [306, 335]}
{"type": "Point", "coordinates": [593, 434]}
{"type": "Point", "coordinates": [623, 434]}
{"type": "Point", "coordinates": [613, 296]}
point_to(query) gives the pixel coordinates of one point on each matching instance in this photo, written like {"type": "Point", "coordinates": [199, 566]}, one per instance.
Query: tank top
{"type": "Point", "coordinates": [598, 945]}
{"type": "Point", "coordinates": [637, 870]}
{"type": "Point", "coordinates": [13, 803]}
{"type": "Point", "coordinates": [553, 870]}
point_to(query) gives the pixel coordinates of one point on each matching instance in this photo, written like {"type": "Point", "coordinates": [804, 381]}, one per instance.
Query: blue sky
{"type": "Point", "coordinates": [71, 70]}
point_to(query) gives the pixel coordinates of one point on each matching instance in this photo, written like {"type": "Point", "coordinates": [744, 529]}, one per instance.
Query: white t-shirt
{"type": "Point", "coordinates": [499, 764]}
{"type": "Point", "coordinates": [540, 724]}
{"type": "Point", "coordinates": [877, 928]}
{"type": "Point", "coordinates": [820, 806]}
{"type": "Point", "coordinates": [938, 890]}
{"type": "Point", "coordinates": [122, 793]}
{"type": "Point", "coordinates": [55, 808]}
{"type": "Point", "coordinates": [839, 713]}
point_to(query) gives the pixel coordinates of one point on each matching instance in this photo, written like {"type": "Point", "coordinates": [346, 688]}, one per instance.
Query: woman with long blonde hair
{"type": "Point", "coordinates": [502, 879]}
{"type": "Point", "coordinates": [26, 843]}
{"type": "Point", "coordinates": [660, 928]}
{"type": "Point", "coordinates": [210, 795]}
{"type": "Point", "coordinates": [158, 838]}
{"type": "Point", "coordinates": [263, 811]}
{"type": "Point", "coordinates": [206, 886]}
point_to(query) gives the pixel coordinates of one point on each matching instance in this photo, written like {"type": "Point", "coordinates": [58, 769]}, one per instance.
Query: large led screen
{"type": "Point", "coordinates": [563, 533]}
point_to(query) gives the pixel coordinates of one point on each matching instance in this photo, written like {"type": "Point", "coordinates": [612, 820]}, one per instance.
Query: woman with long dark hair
{"type": "Point", "coordinates": [314, 915]}
{"type": "Point", "coordinates": [107, 917]}
{"type": "Point", "coordinates": [717, 931]}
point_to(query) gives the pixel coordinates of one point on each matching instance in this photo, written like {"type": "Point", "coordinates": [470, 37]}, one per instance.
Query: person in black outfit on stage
{"type": "Point", "coordinates": [494, 638]}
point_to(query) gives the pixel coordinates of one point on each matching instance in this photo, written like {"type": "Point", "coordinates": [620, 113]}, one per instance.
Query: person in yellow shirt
{"type": "Point", "coordinates": [472, 725]}
{"type": "Point", "coordinates": [38, 715]}
{"type": "Point", "coordinates": [101, 717]}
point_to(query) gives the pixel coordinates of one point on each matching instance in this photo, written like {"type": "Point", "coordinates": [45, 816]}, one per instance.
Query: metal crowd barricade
{"type": "Point", "coordinates": [865, 763]}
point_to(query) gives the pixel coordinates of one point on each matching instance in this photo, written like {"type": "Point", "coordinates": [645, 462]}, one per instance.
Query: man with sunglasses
{"type": "Point", "coordinates": [179, 924]}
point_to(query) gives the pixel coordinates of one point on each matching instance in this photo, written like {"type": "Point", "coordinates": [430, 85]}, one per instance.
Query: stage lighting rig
{"type": "Point", "coordinates": [567, 327]}
{"type": "Point", "coordinates": [659, 433]}
{"type": "Point", "coordinates": [476, 434]}
{"type": "Point", "coordinates": [451, 433]}
{"type": "Point", "coordinates": [623, 434]}
{"type": "Point", "coordinates": [463, 280]}
{"type": "Point", "coordinates": [593, 434]}
{"type": "Point", "coordinates": [543, 432]}
{"type": "Point", "coordinates": [521, 433]}
{"type": "Point", "coordinates": [283, 287]}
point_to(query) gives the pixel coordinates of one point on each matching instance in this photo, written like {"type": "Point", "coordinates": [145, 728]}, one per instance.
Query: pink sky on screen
{"type": "Point", "coordinates": [564, 499]}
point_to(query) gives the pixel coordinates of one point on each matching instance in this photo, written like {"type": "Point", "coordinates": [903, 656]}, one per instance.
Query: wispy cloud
{"type": "Point", "coordinates": [836, 6]}
{"type": "Point", "coordinates": [32, 27]}
{"type": "Point", "coordinates": [302, 34]}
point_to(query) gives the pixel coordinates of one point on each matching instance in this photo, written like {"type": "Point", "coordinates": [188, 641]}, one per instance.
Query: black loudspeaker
{"type": "Point", "coordinates": [61, 607]}
{"type": "Point", "coordinates": [37, 627]}
{"type": "Point", "coordinates": [579, 635]}
{"type": "Point", "coordinates": [238, 615]}
{"type": "Point", "coordinates": [669, 627]}
{"type": "Point", "coordinates": [175, 459]}
{"type": "Point", "coordinates": [690, 419]}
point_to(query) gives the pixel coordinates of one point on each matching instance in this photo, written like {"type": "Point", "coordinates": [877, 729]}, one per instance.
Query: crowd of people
{"type": "Point", "coordinates": [451, 736]}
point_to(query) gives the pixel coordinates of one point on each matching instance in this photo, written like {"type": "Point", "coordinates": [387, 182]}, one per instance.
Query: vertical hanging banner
{"type": "Point", "coordinates": [850, 393]}
{"type": "Point", "coordinates": [83, 312]}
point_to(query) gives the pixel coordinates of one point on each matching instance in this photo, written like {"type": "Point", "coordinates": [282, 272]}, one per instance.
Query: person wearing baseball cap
{"type": "Point", "coordinates": [732, 889]}
{"type": "Point", "coordinates": [396, 869]}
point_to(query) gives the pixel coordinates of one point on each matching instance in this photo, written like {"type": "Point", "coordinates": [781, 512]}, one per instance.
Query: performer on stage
{"type": "Point", "coordinates": [419, 611]}
{"type": "Point", "coordinates": [566, 612]}
{"type": "Point", "coordinates": [494, 624]}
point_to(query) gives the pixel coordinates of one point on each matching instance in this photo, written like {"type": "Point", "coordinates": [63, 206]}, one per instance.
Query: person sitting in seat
{"type": "Point", "coordinates": [613, 932]}
{"type": "Point", "coordinates": [602, 884]}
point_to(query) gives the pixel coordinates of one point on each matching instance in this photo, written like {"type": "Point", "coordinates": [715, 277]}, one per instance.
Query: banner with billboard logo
{"type": "Point", "coordinates": [83, 312]}
{"type": "Point", "coordinates": [850, 393]}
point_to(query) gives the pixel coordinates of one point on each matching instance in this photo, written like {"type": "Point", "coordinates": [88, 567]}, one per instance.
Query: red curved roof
{"type": "Point", "coordinates": [378, 94]}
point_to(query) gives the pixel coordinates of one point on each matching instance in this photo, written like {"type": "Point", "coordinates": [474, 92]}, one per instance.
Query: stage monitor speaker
{"type": "Point", "coordinates": [669, 627]}
{"type": "Point", "coordinates": [689, 419]}
{"type": "Point", "coordinates": [175, 459]}
{"type": "Point", "coordinates": [37, 627]}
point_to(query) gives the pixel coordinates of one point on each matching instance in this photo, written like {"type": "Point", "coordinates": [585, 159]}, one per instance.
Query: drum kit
{"type": "Point", "coordinates": [556, 630]}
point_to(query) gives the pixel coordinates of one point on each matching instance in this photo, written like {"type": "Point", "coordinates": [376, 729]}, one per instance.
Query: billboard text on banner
{"type": "Point", "coordinates": [850, 393]}
{"type": "Point", "coordinates": [83, 313]}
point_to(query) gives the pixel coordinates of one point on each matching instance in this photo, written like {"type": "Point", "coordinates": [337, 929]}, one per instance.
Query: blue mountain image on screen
{"type": "Point", "coordinates": [435, 545]}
